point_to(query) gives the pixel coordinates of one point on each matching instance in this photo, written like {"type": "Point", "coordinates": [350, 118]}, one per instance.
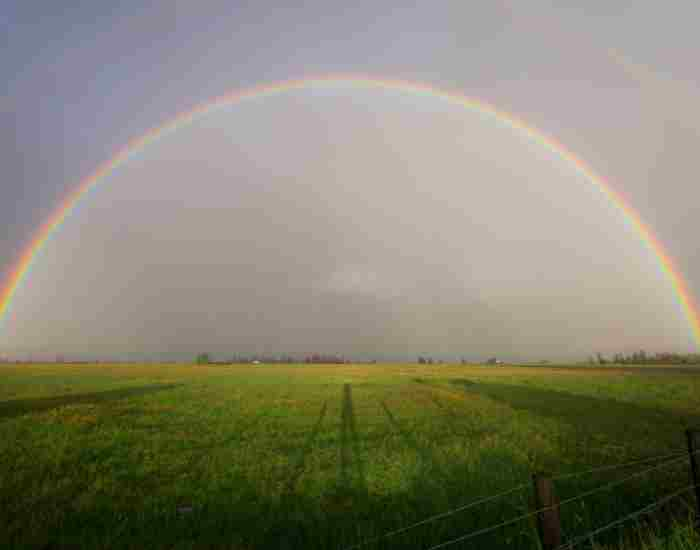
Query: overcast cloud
{"type": "Point", "coordinates": [345, 220]}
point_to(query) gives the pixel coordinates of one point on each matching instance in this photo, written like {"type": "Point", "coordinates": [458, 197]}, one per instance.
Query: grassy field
{"type": "Point", "coordinates": [300, 456]}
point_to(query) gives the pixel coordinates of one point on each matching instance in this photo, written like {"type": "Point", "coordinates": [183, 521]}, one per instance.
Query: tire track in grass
{"type": "Point", "coordinates": [298, 467]}
{"type": "Point", "coordinates": [460, 426]}
{"type": "Point", "coordinates": [426, 395]}
{"type": "Point", "coordinates": [429, 462]}
{"type": "Point", "coordinates": [350, 454]}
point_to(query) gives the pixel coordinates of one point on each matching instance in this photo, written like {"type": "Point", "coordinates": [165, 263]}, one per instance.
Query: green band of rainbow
{"type": "Point", "coordinates": [22, 268]}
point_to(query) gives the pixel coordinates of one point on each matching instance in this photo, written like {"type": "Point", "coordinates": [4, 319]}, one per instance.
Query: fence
{"type": "Point", "coordinates": [547, 504]}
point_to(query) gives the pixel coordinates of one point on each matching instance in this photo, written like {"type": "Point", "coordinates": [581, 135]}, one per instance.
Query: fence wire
{"type": "Point", "coordinates": [546, 508]}
{"type": "Point", "coordinates": [644, 511]}
{"type": "Point", "coordinates": [497, 496]}
{"type": "Point", "coordinates": [619, 466]}
{"type": "Point", "coordinates": [622, 481]}
{"type": "Point", "coordinates": [437, 517]}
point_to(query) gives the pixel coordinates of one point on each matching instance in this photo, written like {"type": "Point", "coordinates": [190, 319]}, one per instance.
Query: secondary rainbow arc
{"type": "Point", "coordinates": [22, 268]}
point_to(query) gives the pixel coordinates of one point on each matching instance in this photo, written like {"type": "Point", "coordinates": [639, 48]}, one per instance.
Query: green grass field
{"type": "Point", "coordinates": [305, 456]}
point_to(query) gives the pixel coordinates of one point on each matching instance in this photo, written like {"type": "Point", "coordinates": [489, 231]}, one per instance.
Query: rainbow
{"type": "Point", "coordinates": [22, 268]}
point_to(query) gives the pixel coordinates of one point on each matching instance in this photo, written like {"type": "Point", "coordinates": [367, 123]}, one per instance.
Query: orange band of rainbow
{"type": "Point", "coordinates": [19, 274]}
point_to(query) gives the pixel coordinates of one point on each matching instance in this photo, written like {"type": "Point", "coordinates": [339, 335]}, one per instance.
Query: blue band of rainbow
{"type": "Point", "coordinates": [22, 268]}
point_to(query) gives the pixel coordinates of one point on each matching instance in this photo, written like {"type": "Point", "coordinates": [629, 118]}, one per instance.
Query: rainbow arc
{"type": "Point", "coordinates": [21, 271]}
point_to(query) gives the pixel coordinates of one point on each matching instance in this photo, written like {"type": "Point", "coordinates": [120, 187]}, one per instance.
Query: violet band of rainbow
{"type": "Point", "coordinates": [20, 272]}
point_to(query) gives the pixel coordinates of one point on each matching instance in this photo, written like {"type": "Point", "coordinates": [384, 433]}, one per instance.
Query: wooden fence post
{"type": "Point", "coordinates": [548, 523]}
{"type": "Point", "coordinates": [693, 437]}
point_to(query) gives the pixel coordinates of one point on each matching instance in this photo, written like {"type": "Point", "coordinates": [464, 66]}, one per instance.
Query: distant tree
{"type": "Point", "coordinates": [203, 359]}
{"type": "Point", "coordinates": [642, 357]}
{"type": "Point", "coordinates": [421, 360]}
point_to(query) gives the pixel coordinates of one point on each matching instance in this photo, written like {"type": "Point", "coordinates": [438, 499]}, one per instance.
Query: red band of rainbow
{"type": "Point", "coordinates": [19, 274]}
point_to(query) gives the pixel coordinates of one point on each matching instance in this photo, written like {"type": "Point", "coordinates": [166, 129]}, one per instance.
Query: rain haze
{"type": "Point", "coordinates": [348, 218]}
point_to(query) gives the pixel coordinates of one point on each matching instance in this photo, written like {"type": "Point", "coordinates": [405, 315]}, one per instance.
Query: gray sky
{"type": "Point", "coordinates": [346, 220]}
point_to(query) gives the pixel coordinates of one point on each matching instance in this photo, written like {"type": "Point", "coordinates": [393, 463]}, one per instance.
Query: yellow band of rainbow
{"type": "Point", "coordinates": [19, 273]}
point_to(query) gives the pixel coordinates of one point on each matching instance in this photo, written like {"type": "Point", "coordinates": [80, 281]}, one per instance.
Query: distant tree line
{"type": "Point", "coordinates": [242, 359]}
{"type": "Point", "coordinates": [643, 358]}
{"type": "Point", "coordinates": [430, 361]}
{"type": "Point", "coordinates": [326, 359]}
{"type": "Point", "coordinates": [427, 360]}
{"type": "Point", "coordinates": [263, 358]}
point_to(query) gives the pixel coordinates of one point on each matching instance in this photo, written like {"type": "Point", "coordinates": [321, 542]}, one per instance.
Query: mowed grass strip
{"type": "Point", "coordinates": [313, 456]}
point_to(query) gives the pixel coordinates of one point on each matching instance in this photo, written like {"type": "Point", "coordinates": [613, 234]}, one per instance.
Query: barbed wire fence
{"type": "Point", "coordinates": [672, 459]}
{"type": "Point", "coordinates": [634, 515]}
{"type": "Point", "coordinates": [437, 517]}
